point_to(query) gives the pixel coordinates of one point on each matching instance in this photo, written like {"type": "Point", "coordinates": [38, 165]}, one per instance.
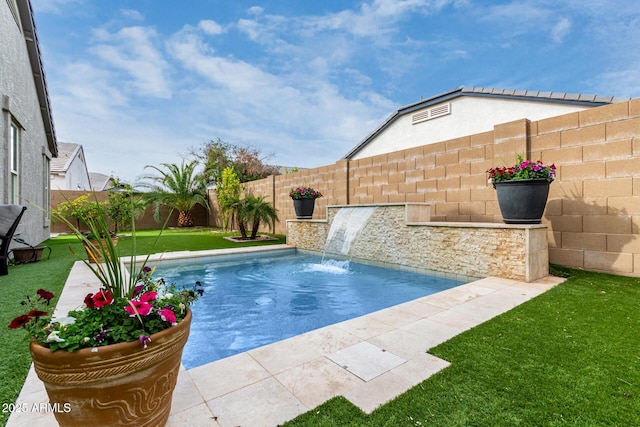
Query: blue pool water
{"type": "Point", "coordinates": [253, 302]}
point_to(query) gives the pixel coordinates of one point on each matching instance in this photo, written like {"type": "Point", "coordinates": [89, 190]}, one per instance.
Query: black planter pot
{"type": "Point", "coordinates": [304, 207]}
{"type": "Point", "coordinates": [522, 202]}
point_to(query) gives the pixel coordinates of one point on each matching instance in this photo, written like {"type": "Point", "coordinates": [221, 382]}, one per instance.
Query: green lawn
{"type": "Point", "coordinates": [51, 274]}
{"type": "Point", "coordinates": [568, 357]}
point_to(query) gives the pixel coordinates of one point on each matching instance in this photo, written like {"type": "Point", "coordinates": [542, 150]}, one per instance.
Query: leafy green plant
{"type": "Point", "coordinates": [178, 187]}
{"type": "Point", "coordinates": [228, 191]}
{"type": "Point", "coordinates": [128, 306]}
{"type": "Point", "coordinates": [251, 212]}
{"type": "Point", "coordinates": [304, 193]}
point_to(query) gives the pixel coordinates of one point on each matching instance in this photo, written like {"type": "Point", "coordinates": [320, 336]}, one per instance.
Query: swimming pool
{"type": "Point", "coordinates": [251, 302]}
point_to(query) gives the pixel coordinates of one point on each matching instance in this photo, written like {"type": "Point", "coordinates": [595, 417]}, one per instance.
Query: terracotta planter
{"type": "Point", "coordinates": [95, 257]}
{"type": "Point", "coordinates": [27, 255]}
{"type": "Point", "coordinates": [115, 385]}
{"type": "Point", "coordinates": [304, 207]}
{"type": "Point", "coordinates": [522, 201]}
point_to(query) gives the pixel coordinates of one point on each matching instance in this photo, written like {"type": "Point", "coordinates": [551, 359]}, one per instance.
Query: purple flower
{"type": "Point", "coordinates": [144, 340]}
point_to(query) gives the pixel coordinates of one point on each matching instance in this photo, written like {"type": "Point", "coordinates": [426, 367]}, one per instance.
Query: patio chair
{"type": "Point", "coordinates": [10, 216]}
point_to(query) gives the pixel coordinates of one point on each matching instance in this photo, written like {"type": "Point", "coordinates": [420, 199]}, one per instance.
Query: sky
{"type": "Point", "coordinates": [147, 82]}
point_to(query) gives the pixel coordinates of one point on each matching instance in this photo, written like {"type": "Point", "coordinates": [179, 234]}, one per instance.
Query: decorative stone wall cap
{"type": "Point", "coordinates": [480, 225]}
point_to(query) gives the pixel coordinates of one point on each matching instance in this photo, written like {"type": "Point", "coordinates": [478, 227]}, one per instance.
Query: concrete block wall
{"type": "Point", "coordinates": [593, 213]}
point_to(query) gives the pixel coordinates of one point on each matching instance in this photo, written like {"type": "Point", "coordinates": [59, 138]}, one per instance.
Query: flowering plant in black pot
{"type": "Point", "coordinates": [297, 193]}
{"type": "Point", "coordinates": [522, 190]}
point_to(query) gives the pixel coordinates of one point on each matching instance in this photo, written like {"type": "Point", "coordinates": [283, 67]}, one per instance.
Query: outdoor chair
{"type": "Point", "coordinates": [10, 216]}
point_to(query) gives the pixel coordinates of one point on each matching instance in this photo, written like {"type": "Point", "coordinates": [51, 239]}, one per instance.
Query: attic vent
{"type": "Point", "coordinates": [431, 113]}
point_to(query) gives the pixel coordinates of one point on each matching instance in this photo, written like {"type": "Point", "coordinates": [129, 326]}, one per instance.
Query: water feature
{"type": "Point", "coordinates": [262, 299]}
{"type": "Point", "coordinates": [347, 224]}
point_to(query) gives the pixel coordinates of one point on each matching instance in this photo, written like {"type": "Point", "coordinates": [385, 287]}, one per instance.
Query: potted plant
{"type": "Point", "coordinates": [522, 190]}
{"type": "Point", "coordinates": [115, 360]}
{"type": "Point", "coordinates": [304, 199]}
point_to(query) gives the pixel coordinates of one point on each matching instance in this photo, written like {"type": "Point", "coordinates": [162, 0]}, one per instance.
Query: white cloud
{"type": "Point", "coordinates": [210, 27]}
{"type": "Point", "coordinates": [132, 14]}
{"type": "Point", "coordinates": [560, 30]}
{"type": "Point", "coordinates": [133, 50]}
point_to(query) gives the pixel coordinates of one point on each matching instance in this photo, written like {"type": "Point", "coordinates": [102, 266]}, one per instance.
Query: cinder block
{"type": "Point", "coordinates": [360, 191]}
{"type": "Point", "coordinates": [623, 168]}
{"type": "Point", "coordinates": [634, 108]}
{"type": "Point", "coordinates": [562, 223]}
{"type": "Point", "coordinates": [547, 141]}
{"type": "Point", "coordinates": [481, 218]}
{"type": "Point", "coordinates": [383, 198]}
{"type": "Point", "coordinates": [365, 180]}
{"type": "Point", "coordinates": [447, 158]}
{"type": "Point", "coordinates": [435, 197]}
{"type": "Point", "coordinates": [590, 170]}
{"type": "Point", "coordinates": [554, 238]}
{"type": "Point", "coordinates": [584, 241]}
{"type": "Point", "coordinates": [397, 198]}
{"type": "Point", "coordinates": [458, 143]}
{"type": "Point", "coordinates": [505, 153]}
{"type": "Point", "coordinates": [482, 194]}
{"type": "Point", "coordinates": [567, 257]}
{"type": "Point", "coordinates": [449, 183]}
{"type": "Point", "coordinates": [564, 156]}
{"type": "Point", "coordinates": [427, 185]}
{"type": "Point", "coordinates": [553, 208]}
{"type": "Point", "coordinates": [396, 177]}
{"type": "Point", "coordinates": [472, 154]}
{"type": "Point", "coordinates": [608, 261]}
{"type": "Point", "coordinates": [608, 187]}
{"type": "Point", "coordinates": [472, 208]}
{"type": "Point", "coordinates": [415, 197]}
{"type": "Point", "coordinates": [414, 175]}
{"type": "Point", "coordinates": [566, 189]}
{"type": "Point", "coordinates": [379, 159]}
{"type": "Point", "coordinates": [380, 179]}
{"type": "Point", "coordinates": [610, 224]}
{"type": "Point", "coordinates": [608, 151]}
{"type": "Point", "coordinates": [624, 129]}
{"type": "Point", "coordinates": [481, 139]}
{"type": "Point", "coordinates": [635, 224]}
{"type": "Point", "coordinates": [458, 218]}
{"type": "Point", "coordinates": [623, 205]}
{"type": "Point", "coordinates": [408, 187]}
{"type": "Point", "coordinates": [605, 113]}
{"type": "Point", "coordinates": [426, 162]}
{"type": "Point", "coordinates": [629, 243]}
{"type": "Point", "coordinates": [489, 151]}
{"type": "Point", "coordinates": [390, 189]}
{"type": "Point", "coordinates": [446, 209]}
{"type": "Point", "coordinates": [636, 147]}
{"type": "Point", "coordinates": [636, 186]}
{"type": "Point", "coordinates": [582, 136]}
{"type": "Point", "coordinates": [374, 190]}
{"type": "Point", "coordinates": [585, 206]}
{"type": "Point", "coordinates": [516, 129]}
{"type": "Point", "coordinates": [396, 156]}
{"type": "Point", "coordinates": [415, 152]}
{"type": "Point", "coordinates": [474, 181]}
{"type": "Point", "coordinates": [460, 169]}
{"type": "Point", "coordinates": [437, 172]}
{"type": "Point", "coordinates": [460, 195]}
{"type": "Point", "coordinates": [389, 168]}
{"type": "Point", "coordinates": [365, 200]}
{"type": "Point", "coordinates": [558, 123]}
{"type": "Point", "coordinates": [438, 147]}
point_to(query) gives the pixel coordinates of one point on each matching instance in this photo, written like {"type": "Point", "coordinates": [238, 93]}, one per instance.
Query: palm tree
{"type": "Point", "coordinates": [177, 187]}
{"type": "Point", "coordinates": [252, 211]}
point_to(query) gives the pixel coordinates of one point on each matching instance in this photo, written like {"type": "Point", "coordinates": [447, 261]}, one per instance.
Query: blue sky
{"type": "Point", "coordinates": [142, 82]}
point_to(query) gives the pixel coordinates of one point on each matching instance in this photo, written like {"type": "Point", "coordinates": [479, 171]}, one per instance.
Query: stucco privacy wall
{"type": "Point", "coordinates": [458, 250]}
{"type": "Point", "coordinates": [593, 213]}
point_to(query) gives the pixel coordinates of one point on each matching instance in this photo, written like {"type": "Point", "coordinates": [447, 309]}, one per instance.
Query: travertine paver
{"type": "Point", "coordinates": [272, 384]}
{"type": "Point", "coordinates": [366, 360]}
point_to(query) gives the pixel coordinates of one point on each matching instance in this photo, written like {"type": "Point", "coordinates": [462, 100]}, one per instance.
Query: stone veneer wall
{"type": "Point", "coordinates": [593, 213]}
{"type": "Point", "coordinates": [461, 250]}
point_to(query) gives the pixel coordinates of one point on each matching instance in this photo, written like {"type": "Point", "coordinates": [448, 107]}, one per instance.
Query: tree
{"type": "Point", "coordinates": [123, 206]}
{"type": "Point", "coordinates": [251, 212]}
{"type": "Point", "coordinates": [247, 162]}
{"type": "Point", "coordinates": [228, 192]}
{"type": "Point", "coordinates": [178, 187]}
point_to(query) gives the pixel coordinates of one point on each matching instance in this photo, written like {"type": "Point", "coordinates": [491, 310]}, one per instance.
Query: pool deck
{"type": "Point", "coordinates": [369, 360]}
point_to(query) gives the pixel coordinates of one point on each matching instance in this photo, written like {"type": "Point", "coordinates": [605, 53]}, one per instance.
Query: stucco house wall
{"type": "Point", "coordinates": [24, 103]}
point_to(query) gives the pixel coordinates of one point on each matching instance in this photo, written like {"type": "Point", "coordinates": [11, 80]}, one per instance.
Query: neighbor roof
{"type": "Point", "coordinates": [521, 95]}
{"type": "Point", "coordinates": [99, 181]}
{"type": "Point", "coordinates": [66, 153]}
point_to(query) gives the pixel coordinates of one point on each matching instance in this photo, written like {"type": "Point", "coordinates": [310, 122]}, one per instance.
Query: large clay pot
{"type": "Point", "coordinates": [115, 385]}
{"type": "Point", "coordinates": [522, 201]}
{"type": "Point", "coordinates": [304, 207]}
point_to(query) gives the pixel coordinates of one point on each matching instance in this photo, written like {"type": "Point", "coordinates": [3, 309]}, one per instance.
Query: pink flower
{"type": "Point", "coordinates": [102, 298]}
{"type": "Point", "coordinates": [138, 307]}
{"type": "Point", "coordinates": [148, 296]}
{"type": "Point", "coordinates": [168, 315]}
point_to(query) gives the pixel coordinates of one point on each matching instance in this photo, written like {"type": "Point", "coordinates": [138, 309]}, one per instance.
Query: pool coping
{"type": "Point", "coordinates": [369, 360]}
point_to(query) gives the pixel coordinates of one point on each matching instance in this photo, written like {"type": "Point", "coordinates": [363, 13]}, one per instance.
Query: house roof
{"type": "Point", "coordinates": [33, 49]}
{"type": "Point", "coordinates": [100, 181]}
{"type": "Point", "coordinates": [67, 152]}
{"type": "Point", "coordinates": [521, 95]}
